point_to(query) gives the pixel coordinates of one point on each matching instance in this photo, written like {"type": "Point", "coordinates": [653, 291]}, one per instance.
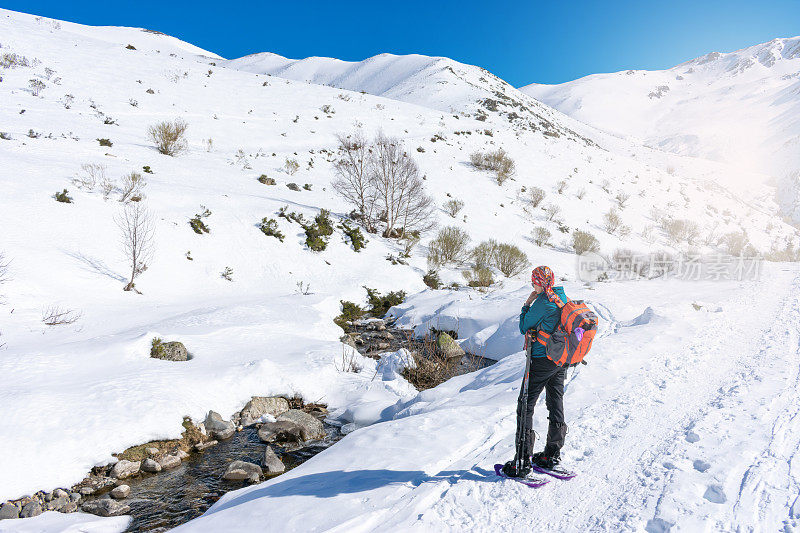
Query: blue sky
{"type": "Point", "coordinates": [522, 42]}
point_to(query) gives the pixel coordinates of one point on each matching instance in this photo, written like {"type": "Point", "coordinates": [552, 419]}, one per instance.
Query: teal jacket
{"type": "Point", "coordinates": [542, 315]}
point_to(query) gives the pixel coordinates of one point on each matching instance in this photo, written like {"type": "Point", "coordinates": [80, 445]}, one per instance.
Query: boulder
{"type": "Point", "coordinates": [242, 470]}
{"type": "Point", "coordinates": [259, 406]}
{"type": "Point", "coordinates": [280, 431]}
{"type": "Point", "coordinates": [376, 325]}
{"type": "Point", "coordinates": [448, 347]}
{"type": "Point", "coordinates": [219, 428]}
{"type": "Point", "coordinates": [60, 493]}
{"type": "Point", "coordinates": [93, 484]}
{"type": "Point", "coordinates": [272, 463]}
{"type": "Point", "coordinates": [349, 340]}
{"type": "Point", "coordinates": [8, 510]}
{"type": "Point", "coordinates": [169, 461]}
{"type": "Point", "coordinates": [57, 504]}
{"type": "Point", "coordinates": [311, 428]}
{"type": "Point", "coordinates": [124, 469]}
{"type": "Point", "coordinates": [31, 509]}
{"type": "Point", "coordinates": [151, 451]}
{"type": "Point", "coordinates": [150, 465]}
{"type": "Point", "coordinates": [75, 497]}
{"type": "Point", "coordinates": [182, 455]}
{"type": "Point", "coordinates": [170, 351]}
{"type": "Point", "coordinates": [120, 492]}
{"type": "Point", "coordinates": [105, 507]}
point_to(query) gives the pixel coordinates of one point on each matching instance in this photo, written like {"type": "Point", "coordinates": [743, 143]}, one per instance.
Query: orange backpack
{"type": "Point", "coordinates": [572, 339]}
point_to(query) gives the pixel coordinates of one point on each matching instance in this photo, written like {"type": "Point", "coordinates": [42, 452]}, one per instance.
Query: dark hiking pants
{"type": "Point", "coordinates": [544, 374]}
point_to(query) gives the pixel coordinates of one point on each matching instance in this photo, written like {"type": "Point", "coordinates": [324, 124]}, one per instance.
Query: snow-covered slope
{"type": "Point", "coordinates": [741, 107]}
{"type": "Point", "coordinates": [74, 394]}
{"type": "Point", "coordinates": [436, 82]}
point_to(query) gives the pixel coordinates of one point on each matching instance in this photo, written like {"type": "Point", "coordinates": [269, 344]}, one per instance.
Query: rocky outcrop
{"type": "Point", "coordinates": [272, 463]}
{"type": "Point", "coordinates": [259, 406]}
{"type": "Point", "coordinates": [169, 461]}
{"type": "Point", "coordinates": [219, 428]}
{"type": "Point", "coordinates": [310, 427]}
{"type": "Point", "coordinates": [124, 469]}
{"type": "Point", "coordinates": [105, 507]}
{"type": "Point", "coordinates": [8, 510]}
{"type": "Point", "coordinates": [242, 470]}
{"type": "Point", "coordinates": [31, 509]}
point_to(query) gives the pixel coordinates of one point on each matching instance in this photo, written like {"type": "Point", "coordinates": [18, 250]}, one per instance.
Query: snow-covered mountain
{"type": "Point", "coordinates": [742, 108]}
{"type": "Point", "coordinates": [436, 82]}
{"type": "Point", "coordinates": [75, 393]}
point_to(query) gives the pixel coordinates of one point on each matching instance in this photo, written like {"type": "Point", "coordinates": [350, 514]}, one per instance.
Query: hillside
{"type": "Point", "coordinates": [76, 393]}
{"type": "Point", "coordinates": [740, 108]}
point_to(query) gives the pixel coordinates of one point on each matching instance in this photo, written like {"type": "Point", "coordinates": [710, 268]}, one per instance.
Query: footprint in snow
{"type": "Point", "coordinates": [691, 436]}
{"type": "Point", "coordinates": [715, 494]}
{"type": "Point", "coordinates": [701, 466]}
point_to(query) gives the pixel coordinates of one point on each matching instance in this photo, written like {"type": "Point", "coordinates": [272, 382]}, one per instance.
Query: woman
{"type": "Point", "coordinates": [541, 312]}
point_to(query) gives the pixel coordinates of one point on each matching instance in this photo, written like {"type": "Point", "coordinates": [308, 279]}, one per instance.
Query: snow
{"type": "Point", "coordinates": [53, 522]}
{"type": "Point", "coordinates": [739, 108]}
{"type": "Point", "coordinates": [682, 374]}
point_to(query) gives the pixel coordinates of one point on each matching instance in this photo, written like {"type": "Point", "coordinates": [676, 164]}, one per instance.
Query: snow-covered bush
{"type": "Point", "coordinates": [736, 243]}
{"type": "Point", "coordinates": [11, 60]}
{"type": "Point", "coordinates": [105, 142]}
{"type": "Point", "coordinates": [510, 260]}
{"type": "Point", "coordinates": [269, 227]}
{"type": "Point", "coordinates": [380, 304]}
{"type": "Point", "coordinates": [541, 236]}
{"type": "Point", "coordinates": [317, 233]}
{"type": "Point", "coordinates": [583, 241]}
{"type": "Point", "coordinates": [357, 239]}
{"type": "Point", "coordinates": [169, 136]}
{"type": "Point", "coordinates": [611, 221]}
{"type": "Point", "coordinates": [449, 246]}
{"type": "Point", "coordinates": [535, 196]}
{"type": "Point", "coordinates": [266, 180]}
{"type": "Point", "coordinates": [36, 86]}
{"type": "Point", "coordinates": [350, 313]}
{"type": "Point", "coordinates": [293, 187]}
{"type": "Point", "coordinates": [452, 207]}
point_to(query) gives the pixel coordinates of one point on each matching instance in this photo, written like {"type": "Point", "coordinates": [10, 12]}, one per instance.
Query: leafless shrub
{"type": "Point", "coordinates": [36, 86]}
{"type": "Point", "coordinates": [483, 255]}
{"type": "Point", "coordinates": [541, 236]}
{"type": "Point", "coordinates": [58, 316]}
{"type": "Point", "coordinates": [452, 207]}
{"type": "Point", "coordinates": [449, 246]}
{"type": "Point", "coordinates": [349, 361]}
{"type": "Point", "coordinates": [291, 166]}
{"type": "Point", "coordinates": [136, 226]}
{"type": "Point", "coordinates": [209, 144]}
{"type": "Point", "coordinates": [497, 161]}
{"type": "Point", "coordinates": [561, 186]}
{"type": "Point", "coordinates": [736, 243]}
{"type": "Point", "coordinates": [535, 196]}
{"type": "Point", "coordinates": [107, 186]}
{"type": "Point", "coordinates": [131, 187]}
{"type": "Point", "coordinates": [605, 186]}
{"type": "Point", "coordinates": [679, 230]}
{"type": "Point", "coordinates": [169, 136]}
{"type": "Point", "coordinates": [11, 60]}
{"type": "Point", "coordinates": [671, 170]}
{"type": "Point", "coordinates": [510, 260]}
{"type": "Point", "coordinates": [551, 211]}
{"type": "Point", "coordinates": [478, 276]}
{"type": "Point", "coordinates": [583, 242]}
{"type": "Point", "coordinates": [580, 193]}
{"type": "Point", "coordinates": [622, 198]}
{"type": "Point", "coordinates": [611, 221]}
{"type": "Point", "coordinates": [90, 176]}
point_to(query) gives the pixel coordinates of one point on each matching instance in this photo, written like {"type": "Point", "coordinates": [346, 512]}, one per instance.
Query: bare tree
{"type": "Point", "coordinates": [352, 177]}
{"type": "Point", "coordinates": [399, 188]}
{"type": "Point", "coordinates": [136, 225]}
{"type": "Point", "coordinates": [57, 316]}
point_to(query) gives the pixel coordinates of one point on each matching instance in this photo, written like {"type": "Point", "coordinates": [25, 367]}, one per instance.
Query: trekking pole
{"type": "Point", "coordinates": [522, 403]}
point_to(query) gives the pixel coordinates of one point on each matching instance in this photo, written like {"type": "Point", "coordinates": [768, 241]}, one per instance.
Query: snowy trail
{"type": "Point", "coordinates": [699, 431]}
